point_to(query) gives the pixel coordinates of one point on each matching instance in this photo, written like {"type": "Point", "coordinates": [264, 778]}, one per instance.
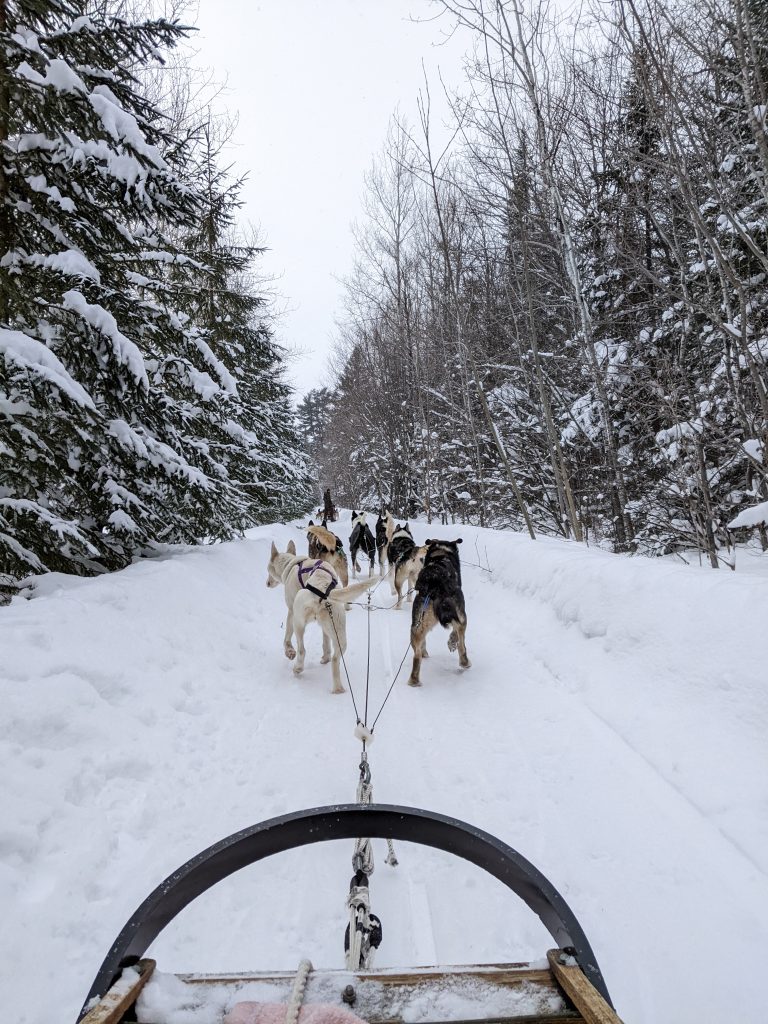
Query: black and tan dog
{"type": "Point", "coordinates": [327, 546]}
{"type": "Point", "coordinates": [385, 527]}
{"type": "Point", "coordinates": [438, 599]}
{"type": "Point", "coordinates": [361, 539]}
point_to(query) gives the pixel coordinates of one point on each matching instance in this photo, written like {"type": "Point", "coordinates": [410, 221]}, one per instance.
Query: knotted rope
{"type": "Point", "coordinates": [297, 995]}
{"type": "Point", "coordinates": [362, 858]}
{"type": "Point", "coordinates": [364, 931]}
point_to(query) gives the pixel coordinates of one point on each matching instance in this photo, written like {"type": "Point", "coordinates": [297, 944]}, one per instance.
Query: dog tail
{"type": "Point", "coordinates": [448, 610]}
{"type": "Point", "coordinates": [339, 595]}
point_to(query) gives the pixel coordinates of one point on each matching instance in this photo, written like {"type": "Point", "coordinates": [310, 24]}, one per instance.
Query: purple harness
{"type": "Point", "coordinates": [308, 571]}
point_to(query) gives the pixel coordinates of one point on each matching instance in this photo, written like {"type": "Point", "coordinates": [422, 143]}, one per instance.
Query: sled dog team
{"type": "Point", "coordinates": [317, 588]}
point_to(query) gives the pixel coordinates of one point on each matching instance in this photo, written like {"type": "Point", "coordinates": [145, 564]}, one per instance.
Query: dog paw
{"type": "Point", "coordinates": [325, 659]}
{"type": "Point", "coordinates": [414, 682]}
{"type": "Point", "coordinates": [298, 669]}
{"type": "Point", "coordinates": [466, 663]}
{"type": "Point", "coordinates": [453, 642]}
{"type": "Point", "coordinates": [342, 690]}
{"type": "Point", "coordinates": [290, 653]}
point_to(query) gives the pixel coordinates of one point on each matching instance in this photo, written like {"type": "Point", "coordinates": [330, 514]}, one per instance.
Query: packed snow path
{"type": "Point", "coordinates": [612, 729]}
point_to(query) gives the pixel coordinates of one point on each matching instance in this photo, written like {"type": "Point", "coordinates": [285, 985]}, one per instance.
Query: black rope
{"type": "Point", "coordinates": [344, 661]}
{"type": "Point", "coordinates": [391, 687]}
{"type": "Point", "coordinates": [377, 607]}
{"type": "Point", "coordinates": [384, 577]}
{"type": "Point", "coordinates": [368, 662]}
{"type": "Point", "coordinates": [367, 665]}
{"type": "Point", "coordinates": [369, 608]}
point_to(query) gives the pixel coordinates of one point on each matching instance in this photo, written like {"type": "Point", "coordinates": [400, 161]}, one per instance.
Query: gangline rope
{"type": "Point", "coordinates": [364, 932]}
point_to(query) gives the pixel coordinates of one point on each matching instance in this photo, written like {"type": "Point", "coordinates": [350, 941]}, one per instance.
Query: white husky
{"type": "Point", "coordinates": [313, 594]}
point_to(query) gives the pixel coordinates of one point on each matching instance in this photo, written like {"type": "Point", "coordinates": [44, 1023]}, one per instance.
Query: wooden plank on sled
{"type": "Point", "coordinates": [566, 1017]}
{"type": "Point", "coordinates": [500, 974]}
{"type": "Point", "coordinates": [502, 992]}
{"type": "Point", "coordinates": [579, 989]}
{"type": "Point", "coordinates": [123, 994]}
{"type": "Point", "coordinates": [497, 974]}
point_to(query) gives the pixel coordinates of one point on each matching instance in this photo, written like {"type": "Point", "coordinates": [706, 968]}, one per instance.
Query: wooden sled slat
{"type": "Point", "coordinates": [122, 995]}
{"type": "Point", "coordinates": [490, 993]}
{"type": "Point", "coordinates": [577, 987]}
{"type": "Point", "coordinates": [500, 974]}
{"type": "Point", "coordinates": [566, 1017]}
{"type": "Point", "coordinates": [561, 977]}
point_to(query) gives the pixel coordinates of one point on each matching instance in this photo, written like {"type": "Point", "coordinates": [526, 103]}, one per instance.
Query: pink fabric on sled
{"type": "Point", "coordinates": [274, 1013]}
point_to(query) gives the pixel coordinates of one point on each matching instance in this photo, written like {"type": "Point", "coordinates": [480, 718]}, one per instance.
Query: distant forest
{"type": "Point", "coordinates": [558, 319]}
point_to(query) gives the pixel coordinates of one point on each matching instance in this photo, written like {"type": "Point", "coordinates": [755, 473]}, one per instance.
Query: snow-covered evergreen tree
{"type": "Point", "coordinates": [119, 424]}
{"type": "Point", "coordinates": [733, 266]}
{"type": "Point", "coordinates": [256, 437]}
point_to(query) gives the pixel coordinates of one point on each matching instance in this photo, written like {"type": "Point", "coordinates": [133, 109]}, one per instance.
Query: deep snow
{"type": "Point", "coordinates": [612, 728]}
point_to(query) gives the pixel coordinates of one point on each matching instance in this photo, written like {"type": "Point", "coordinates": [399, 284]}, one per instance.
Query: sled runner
{"type": "Point", "coordinates": [569, 988]}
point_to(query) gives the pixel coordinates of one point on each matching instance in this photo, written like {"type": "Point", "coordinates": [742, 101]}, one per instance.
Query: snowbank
{"type": "Point", "coordinates": [612, 728]}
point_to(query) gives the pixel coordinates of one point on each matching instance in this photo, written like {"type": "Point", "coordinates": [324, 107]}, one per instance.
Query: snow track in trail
{"type": "Point", "coordinates": [611, 729]}
{"type": "Point", "coordinates": [687, 728]}
{"type": "Point", "coordinates": [674, 788]}
{"type": "Point", "coordinates": [677, 791]}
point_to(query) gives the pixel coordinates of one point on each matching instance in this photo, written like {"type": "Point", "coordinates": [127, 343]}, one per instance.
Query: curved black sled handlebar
{"type": "Point", "coordinates": [347, 821]}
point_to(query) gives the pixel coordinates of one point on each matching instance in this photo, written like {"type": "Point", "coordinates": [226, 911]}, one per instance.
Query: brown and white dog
{"type": "Point", "coordinates": [439, 599]}
{"type": "Point", "coordinates": [327, 546]}
{"type": "Point", "coordinates": [405, 561]}
{"type": "Point", "coordinates": [313, 594]}
{"type": "Point", "coordinates": [407, 572]}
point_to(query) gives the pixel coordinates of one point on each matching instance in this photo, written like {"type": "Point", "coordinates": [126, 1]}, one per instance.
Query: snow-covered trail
{"type": "Point", "coordinates": [612, 728]}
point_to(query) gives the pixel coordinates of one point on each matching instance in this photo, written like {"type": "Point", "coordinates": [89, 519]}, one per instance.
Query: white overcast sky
{"type": "Point", "coordinates": [314, 83]}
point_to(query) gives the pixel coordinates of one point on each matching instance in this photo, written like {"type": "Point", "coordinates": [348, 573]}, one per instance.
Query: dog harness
{"type": "Point", "coordinates": [422, 610]}
{"type": "Point", "coordinates": [307, 572]}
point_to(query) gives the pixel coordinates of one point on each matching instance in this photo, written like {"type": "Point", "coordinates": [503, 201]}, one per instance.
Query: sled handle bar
{"type": "Point", "coordinates": [347, 821]}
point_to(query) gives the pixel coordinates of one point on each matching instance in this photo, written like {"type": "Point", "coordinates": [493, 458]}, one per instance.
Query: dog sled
{"type": "Point", "coordinates": [567, 986]}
